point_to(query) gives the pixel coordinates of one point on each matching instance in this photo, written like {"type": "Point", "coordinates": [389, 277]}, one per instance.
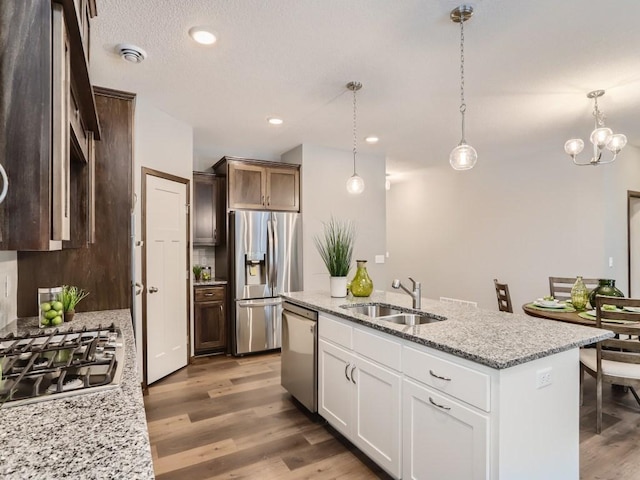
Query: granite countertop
{"type": "Point", "coordinates": [210, 283]}
{"type": "Point", "coordinates": [99, 435]}
{"type": "Point", "coordinates": [496, 339]}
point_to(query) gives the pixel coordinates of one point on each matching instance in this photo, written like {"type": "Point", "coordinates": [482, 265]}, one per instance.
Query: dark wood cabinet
{"type": "Point", "coordinates": [43, 76]}
{"type": "Point", "coordinates": [209, 307]}
{"type": "Point", "coordinates": [205, 211]}
{"type": "Point", "coordinates": [260, 185]}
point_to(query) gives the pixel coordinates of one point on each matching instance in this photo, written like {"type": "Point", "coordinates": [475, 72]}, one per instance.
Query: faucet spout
{"type": "Point", "coordinates": [416, 293]}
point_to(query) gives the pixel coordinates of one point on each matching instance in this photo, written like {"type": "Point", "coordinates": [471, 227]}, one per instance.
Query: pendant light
{"type": "Point", "coordinates": [464, 156]}
{"type": "Point", "coordinates": [355, 184]}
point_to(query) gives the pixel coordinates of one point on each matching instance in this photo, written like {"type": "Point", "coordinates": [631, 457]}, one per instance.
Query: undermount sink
{"type": "Point", "coordinates": [393, 314]}
{"type": "Point", "coordinates": [374, 310]}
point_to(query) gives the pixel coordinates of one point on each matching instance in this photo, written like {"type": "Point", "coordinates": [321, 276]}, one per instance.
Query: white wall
{"type": "Point", "coordinates": [519, 218]}
{"type": "Point", "coordinates": [9, 287]}
{"type": "Point", "coordinates": [162, 143]}
{"type": "Point", "coordinates": [324, 175]}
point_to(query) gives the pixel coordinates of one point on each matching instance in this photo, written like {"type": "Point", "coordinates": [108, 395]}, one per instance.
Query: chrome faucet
{"type": "Point", "coordinates": [415, 294]}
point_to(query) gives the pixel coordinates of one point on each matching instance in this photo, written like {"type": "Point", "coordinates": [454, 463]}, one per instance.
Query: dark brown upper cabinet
{"type": "Point", "coordinates": [48, 123]}
{"type": "Point", "coordinates": [205, 211]}
{"type": "Point", "coordinates": [260, 185]}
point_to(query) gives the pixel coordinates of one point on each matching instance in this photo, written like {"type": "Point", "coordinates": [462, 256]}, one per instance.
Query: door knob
{"type": "Point", "coordinates": [153, 289]}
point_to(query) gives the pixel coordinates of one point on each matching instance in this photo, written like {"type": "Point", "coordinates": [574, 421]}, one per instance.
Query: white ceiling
{"type": "Point", "coordinates": [529, 65]}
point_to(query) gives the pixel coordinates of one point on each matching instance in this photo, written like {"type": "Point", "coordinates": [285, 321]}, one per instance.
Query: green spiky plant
{"type": "Point", "coordinates": [71, 296]}
{"type": "Point", "coordinates": [335, 246]}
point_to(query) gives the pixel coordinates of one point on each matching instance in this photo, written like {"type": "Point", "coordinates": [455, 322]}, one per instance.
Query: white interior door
{"type": "Point", "coordinates": [166, 267]}
{"type": "Point", "coordinates": [634, 247]}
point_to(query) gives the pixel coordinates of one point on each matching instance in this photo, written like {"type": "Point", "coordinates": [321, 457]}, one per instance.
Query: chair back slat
{"type": "Point", "coordinates": [504, 298]}
{"type": "Point", "coordinates": [626, 346]}
{"type": "Point", "coordinates": [560, 287]}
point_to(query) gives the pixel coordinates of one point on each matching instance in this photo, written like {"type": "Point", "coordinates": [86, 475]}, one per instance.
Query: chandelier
{"type": "Point", "coordinates": [355, 183]}
{"type": "Point", "coordinates": [601, 137]}
{"type": "Point", "coordinates": [464, 156]}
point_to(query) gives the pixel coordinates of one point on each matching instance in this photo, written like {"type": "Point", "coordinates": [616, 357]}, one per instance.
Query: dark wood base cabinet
{"type": "Point", "coordinates": [210, 315]}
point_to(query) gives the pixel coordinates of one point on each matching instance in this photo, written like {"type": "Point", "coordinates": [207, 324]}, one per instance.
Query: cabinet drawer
{"type": "Point", "coordinates": [456, 380]}
{"type": "Point", "coordinates": [334, 331]}
{"type": "Point", "coordinates": [206, 294]}
{"type": "Point", "coordinates": [374, 346]}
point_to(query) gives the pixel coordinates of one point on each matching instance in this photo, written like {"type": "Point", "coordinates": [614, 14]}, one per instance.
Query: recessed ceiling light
{"type": "Point", "coordinates": [202, 35]}
{"type": "Point", "coordinates": [371, 139]}
{"type": "Point", "coordinates": [275, 121]}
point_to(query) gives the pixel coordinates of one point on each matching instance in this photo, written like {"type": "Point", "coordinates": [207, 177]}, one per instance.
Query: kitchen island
{"type": "Point", "coordinates": [479, 395]}
{"type": "Point", "coordinates": [100, 435]}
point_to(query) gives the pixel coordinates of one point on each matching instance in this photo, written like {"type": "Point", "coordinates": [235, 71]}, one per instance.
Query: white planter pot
{"type": "Point", "coordinates": [338, 286]}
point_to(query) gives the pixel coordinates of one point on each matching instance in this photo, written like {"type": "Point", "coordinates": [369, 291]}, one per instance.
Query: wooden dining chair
{"type": "Point", "coordinates": [616, 360]}
{"type": "Point", "coordinates": [560, 287]}
{"type": "Point", "coordinates": [504, 298]}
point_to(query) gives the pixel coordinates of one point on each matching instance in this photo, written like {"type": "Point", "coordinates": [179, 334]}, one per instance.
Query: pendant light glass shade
{"type": "Point", "coordinates": [463, 157]}
{"type": "Point", "coordinates": [355, 184]}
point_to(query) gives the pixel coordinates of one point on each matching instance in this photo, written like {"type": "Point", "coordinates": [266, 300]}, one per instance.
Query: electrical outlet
{"type": "Point", "coordinates": [543, 378]}
{"type": "Point", "coordinates": [379, 258]}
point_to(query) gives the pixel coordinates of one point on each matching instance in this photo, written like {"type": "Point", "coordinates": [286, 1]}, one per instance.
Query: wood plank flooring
{"type": "Point", "coordinates": [229, 418]}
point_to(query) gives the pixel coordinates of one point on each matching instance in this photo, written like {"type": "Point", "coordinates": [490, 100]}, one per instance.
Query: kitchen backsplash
{"type": "Point", "coordinates": [204, 256]}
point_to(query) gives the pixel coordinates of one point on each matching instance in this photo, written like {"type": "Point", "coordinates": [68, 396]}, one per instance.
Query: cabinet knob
{"type": "Point", "coordinates": [153, 289]}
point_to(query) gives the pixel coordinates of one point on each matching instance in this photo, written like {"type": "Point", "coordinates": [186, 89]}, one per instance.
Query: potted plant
{"type": "Point", "coordinates": [197, 272]}
{"type": "Point", "coordinates": [335, 247]}
{"type": "Point", "coordinates": [70, 297]}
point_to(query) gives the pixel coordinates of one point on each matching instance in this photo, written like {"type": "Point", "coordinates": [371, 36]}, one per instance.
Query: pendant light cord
{"type": "Point", "coordinates": [463, 105]}
{"type": "Point", "coordinates": [354, 131]}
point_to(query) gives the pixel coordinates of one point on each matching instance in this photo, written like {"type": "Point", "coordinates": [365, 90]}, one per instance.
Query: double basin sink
{"type": "Point", "coordinates": [392, 313]}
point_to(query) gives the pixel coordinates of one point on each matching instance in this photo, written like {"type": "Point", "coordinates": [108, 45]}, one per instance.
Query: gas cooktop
{"type": "Point", "coordinates": [55, 364]}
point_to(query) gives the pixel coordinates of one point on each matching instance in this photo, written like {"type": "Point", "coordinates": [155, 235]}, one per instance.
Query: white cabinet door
{"type": "Point", "coordinates": [441, 437]}
{"type": "Point", "coordinates": [378, 414]}
{"type": "Point", "coordinates": [335, 387]}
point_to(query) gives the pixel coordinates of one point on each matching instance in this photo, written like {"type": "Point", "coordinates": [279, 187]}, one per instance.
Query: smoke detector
{"type": "Point", "coordinates": [131, 53]}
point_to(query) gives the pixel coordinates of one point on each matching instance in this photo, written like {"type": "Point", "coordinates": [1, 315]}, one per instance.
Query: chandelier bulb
{"type": "Point", "coordinates": [463, 157]}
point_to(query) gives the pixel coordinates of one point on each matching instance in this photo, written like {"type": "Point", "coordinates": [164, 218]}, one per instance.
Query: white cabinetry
{"type": "Point", "coordinates": [442, 438]}
{"type": "Point", "coordinates": [358, 397]}
{"type": "Point", "coordinates": [421, 413]}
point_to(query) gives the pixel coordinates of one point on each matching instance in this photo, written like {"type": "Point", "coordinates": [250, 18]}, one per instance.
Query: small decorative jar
{"type": "Point", "coordinates": [579, 294]}
{"type": "Point", "coordinates": [50, 307]}
{"type": "Point", "coordinates": [607, 288]}
{"type": "Point", "coordinates": [361, 285]}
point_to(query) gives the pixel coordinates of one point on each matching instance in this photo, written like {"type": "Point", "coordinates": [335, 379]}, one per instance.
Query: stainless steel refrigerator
{"type": "Point", "coordinates": [266, 260]}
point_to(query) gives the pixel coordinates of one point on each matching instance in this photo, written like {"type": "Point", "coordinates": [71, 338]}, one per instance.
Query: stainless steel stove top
{"type": "Point", "coordinates": [43, 366]}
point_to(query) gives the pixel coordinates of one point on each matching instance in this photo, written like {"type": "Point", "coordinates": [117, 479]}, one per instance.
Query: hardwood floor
{"type": "Point", "coordinates": [225, 417]}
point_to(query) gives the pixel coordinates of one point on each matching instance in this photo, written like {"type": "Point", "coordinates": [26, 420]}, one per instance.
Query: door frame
{"type": "Point", "coordinates": [145, 172]}
{"type": "Point", "coordinates": [630, 195]}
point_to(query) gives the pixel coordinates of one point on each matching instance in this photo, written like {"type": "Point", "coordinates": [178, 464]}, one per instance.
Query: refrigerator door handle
{"type": "Point", "coordinates": [266, 303]}
{"type": "Point", "coordinates": [270, 254]}
{"type": "Point", "coordinates": [274, 251]}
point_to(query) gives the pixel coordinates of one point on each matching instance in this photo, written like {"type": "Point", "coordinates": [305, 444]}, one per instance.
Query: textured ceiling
{"type": "Point", "coordinates": [529, 65]}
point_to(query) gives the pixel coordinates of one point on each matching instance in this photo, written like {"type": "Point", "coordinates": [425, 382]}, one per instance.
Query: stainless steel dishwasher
{"type": "Point", "coordinates": [299, 364]}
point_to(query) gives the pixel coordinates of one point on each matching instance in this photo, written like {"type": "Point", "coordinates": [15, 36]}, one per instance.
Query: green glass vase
{"type": "Point", "coordinates": [607, 288]}
{"type": "Point", "coordinates": [361, 285]}
{"type": "Point", "coordinates": [579, 294]}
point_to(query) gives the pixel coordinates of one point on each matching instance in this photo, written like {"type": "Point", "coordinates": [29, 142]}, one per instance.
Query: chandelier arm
{"type": "Point", "coordinates": [354, 131]}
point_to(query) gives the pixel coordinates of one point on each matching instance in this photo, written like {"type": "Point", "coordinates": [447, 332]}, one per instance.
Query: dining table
{"type": "Point", "coordinates": [570, 315]}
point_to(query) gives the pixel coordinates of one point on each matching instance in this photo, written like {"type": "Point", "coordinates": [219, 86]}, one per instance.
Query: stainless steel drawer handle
{"type": "Point", "coordinates": [208, 294]}
{"type": "Point", "coordinates": [346, 375]}
{"type": "Point", "coordinates": [438, 405]}
{"type": "Point", "coordinates": [352, 378]}
{"type": "Point", "coordinates": [438, 376]}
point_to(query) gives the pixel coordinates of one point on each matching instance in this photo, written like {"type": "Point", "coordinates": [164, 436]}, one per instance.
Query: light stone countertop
{"type": "Point", "coordinates": [496, 339]}
{"type": "Point", "coordinates": [99, 435]}
{"type": "Point", "coordinates": [209, 283]}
